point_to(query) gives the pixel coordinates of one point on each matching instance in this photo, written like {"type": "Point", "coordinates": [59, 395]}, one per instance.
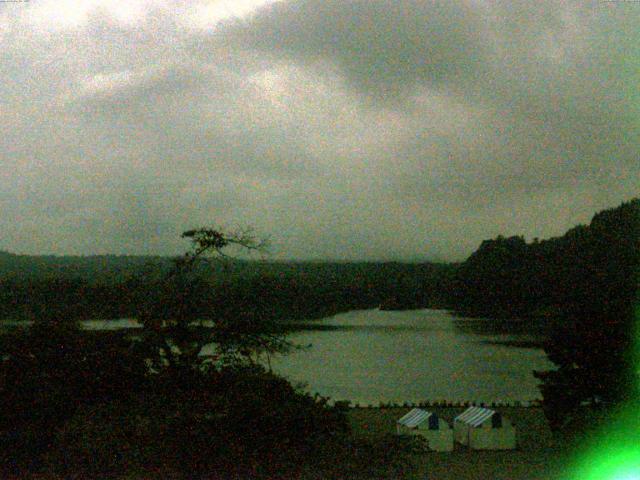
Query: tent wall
{"type": "Point", "coordinates": [440, 440]}
{"type": "Point", "coordinates": [502, 436]}
{"type": "Point", "coordinates": [461, 432]}
{"type": "Point", "coordinates": [492, 438]}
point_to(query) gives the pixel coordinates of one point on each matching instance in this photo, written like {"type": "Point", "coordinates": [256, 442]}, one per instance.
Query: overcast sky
{"type": "Point", "coordinates": [341, 129]}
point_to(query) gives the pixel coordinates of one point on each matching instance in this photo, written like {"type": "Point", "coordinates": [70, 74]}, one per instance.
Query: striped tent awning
{"type": "Point", "coordinates": [417, 416]}
{"type": "Point", "coordinates": [475, 416]}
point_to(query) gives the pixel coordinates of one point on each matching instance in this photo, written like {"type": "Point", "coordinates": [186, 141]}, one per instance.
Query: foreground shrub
{"type": "Point", "coordinates": [46, 373]}
{"type": "Point", "coordinates": [238, 423]}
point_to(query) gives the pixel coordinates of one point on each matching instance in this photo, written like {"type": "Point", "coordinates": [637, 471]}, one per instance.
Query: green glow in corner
{"type": "Point", "coordinates": [636, 335]}
{"type": "Point", "coordinates": [631, 476]}
{"type": "Point", "coordinates": [606, 465]}
{"type": "Point", "coordinates": [615, 453]}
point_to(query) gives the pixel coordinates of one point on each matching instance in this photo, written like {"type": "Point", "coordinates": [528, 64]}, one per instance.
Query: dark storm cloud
{"type": "Point", "coordinates": [364, 129]}
{"type": "Point", "coordinates": [553, 82]}
{"type": "Point", "coordinates": [381, 46]}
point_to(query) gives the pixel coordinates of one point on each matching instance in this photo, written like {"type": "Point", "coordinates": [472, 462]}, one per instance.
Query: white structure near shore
{"type": "Point", "coordinates": [484, 429]}
{"type": "Point", "coordinates": [434, 430]}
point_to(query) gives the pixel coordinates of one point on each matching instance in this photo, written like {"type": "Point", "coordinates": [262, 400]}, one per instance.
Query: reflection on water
{"type": "Point", "coordinates": [110, 324]}
{"type": "Point", "coordinates": [119, 324]}
{"type": "Point", "coordinates": [490, 326]}
{"type": "Point", "coordinates": [370, 356]}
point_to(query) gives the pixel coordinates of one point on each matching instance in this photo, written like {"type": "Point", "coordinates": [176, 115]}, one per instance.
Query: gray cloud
{"type": "Point", "coordinates": [380, 46]}
{"type": "Point", "coordinates": [367, 129]}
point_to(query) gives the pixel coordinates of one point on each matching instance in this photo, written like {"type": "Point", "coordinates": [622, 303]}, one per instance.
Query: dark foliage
{"type": "Point", "coordinates": [233, 423]}
{"type": "Point", "coordinates": [114, 287]}
{"type": "Point", "coordinates": [79, 404]}
{"type": "Point", "coordinates": [593, 341]}
{"type": "Point", "coordinates": [495, 280]}
{"type": "Point", "coordinates": [585, 284]}
{"type": "Point", "coordinates": [49, 371]}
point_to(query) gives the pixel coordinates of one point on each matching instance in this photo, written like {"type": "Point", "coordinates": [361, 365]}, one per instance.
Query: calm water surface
{"type": "Point", "coordinates": [369, 356]}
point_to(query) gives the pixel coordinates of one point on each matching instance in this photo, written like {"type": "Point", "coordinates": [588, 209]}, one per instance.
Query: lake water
{"type": "Point", "coordinates": [369, 356]}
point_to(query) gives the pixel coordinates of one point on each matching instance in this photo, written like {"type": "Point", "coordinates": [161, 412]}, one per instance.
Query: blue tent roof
{"type": "Point", "coordinates": [418, 416]}
{"type": "Point", "coordinates": [475, 416]}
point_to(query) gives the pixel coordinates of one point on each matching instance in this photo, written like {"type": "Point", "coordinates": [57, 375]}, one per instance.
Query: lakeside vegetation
{"type": "Point", "coordinates": [505, 278]}
{"type": "Point", "coordinates": [85, 405]}
{"type": "Point", "coordinates": [586, 283]}
{"type": "Point", "coordinates": [114, 287]}
{"type": "Point", "coordinates": [79, 404]}
{"type": "Point", "coordinates": [109, 405]}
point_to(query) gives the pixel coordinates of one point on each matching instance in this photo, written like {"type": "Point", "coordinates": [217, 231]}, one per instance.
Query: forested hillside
{"type": "Point", "coordinates": [589, 265]}
{"type": "Point", "coordinates": [586, 283]}
{"type": "Point", "coordinates": [114, 287]}
{"type": "Point", "coordinates": [505, 278]}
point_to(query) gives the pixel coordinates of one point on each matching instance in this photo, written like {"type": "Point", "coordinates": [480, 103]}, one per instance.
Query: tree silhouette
{"type": "Point", "coordinates": [184, 315]}
{"type": "Point", "coordinates": [592, 340]}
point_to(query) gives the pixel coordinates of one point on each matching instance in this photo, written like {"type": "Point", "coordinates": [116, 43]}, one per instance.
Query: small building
{"type": "Point", "coordinates": [481, 428]}
{"type": "Point", "coordinates": [436, 432]}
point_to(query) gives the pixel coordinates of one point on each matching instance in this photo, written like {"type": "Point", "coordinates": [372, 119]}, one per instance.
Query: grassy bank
{"type": "Point", "coordinates": [538, 455]}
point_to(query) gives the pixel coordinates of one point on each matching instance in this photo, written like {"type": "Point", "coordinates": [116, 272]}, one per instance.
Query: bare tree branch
{"type": "Point", "coordinates": [245, 335]}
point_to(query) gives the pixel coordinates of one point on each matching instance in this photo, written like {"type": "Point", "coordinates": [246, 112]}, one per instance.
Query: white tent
{"type": "Point", "coordinates": [484, 429]}
{"type": "Point", "coordinates": [434, 430]}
